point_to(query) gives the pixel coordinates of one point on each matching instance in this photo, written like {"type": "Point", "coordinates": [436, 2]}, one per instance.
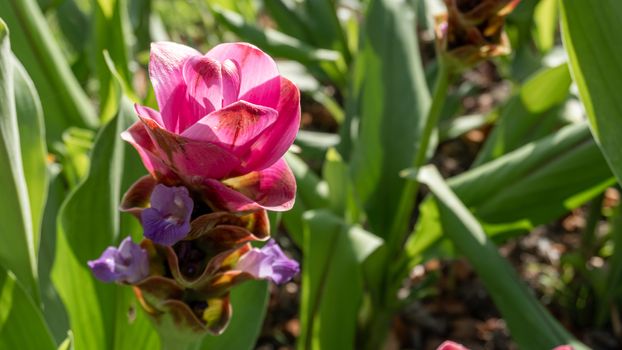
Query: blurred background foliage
{"type": "Point", "coordinates": [518, 162]}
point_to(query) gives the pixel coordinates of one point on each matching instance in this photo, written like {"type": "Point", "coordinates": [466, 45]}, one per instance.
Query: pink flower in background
{"type": "Point", "coordinates": [450, 345]}
{"type": "Point", "coordinates": [226, 119]}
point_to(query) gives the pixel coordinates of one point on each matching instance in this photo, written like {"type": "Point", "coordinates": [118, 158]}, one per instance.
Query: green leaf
{"type": "Point", "coordinates": [53, 309]}
{"type": "Point", "coordinates": [111, 33]}
{"type": "Point", "coordinates": [591, 37]}
{"type": "Point", "coordinates": [65, 102]}
{"type": "Point", "coordinates": [21, 323]}
{"type": "Point", "coordinates": [332, 280]}
{"type": "Point", "coordinates": [393, 101]}
{"type": "Point", "coordinates": [17, 253]}
{"type": "Point", "coordinates": [284, 13]}
{"type": "Point", "coordinates": [311, 193]}
{"type": "Point", "coordinates": [534, 112]}
{"type": "Point", "coordinates": [32, 142]}
{"type": "Point", "coordinates": [88, 222]}
{"type": "Point", "coordinates": [274, 42]}
{"type": "Point", "coordinates": [530, 324]}
{"type": "Point", "coordinates": [545, 18]}
{"type": "Point", "coordinates": [340, 190]}
{"type": "Point", "coordinates": [524, 188]}
{"type": "Point", "coordinates": [249, 302]}
{"type": "Point", "coordinates": [324, 26]}
{"type": "Point", "coordinates": [534, 182]}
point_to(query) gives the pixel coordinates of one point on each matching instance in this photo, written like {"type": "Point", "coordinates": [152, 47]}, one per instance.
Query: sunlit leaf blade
{"type": "Point", "coordinates": [249, 302]}
{"type": "Point", "coordinates": [111, 33]}
{"type": "Point", "coordinates": [29, 113]}
{"type": "Point", "coordinates": [21, 323]}
{"type": "Point", "coordinates": [17, 252]}
{"type": "Point", "coordinates": [531, 326]}
{"type": "Point", "coordinates": [64, 100]}
{"type": "Point", "coordinates": [393, 100]}
{"type": "Point", "coordinates": [538, 181]}
{"type": "Point", "coordinates": [332, 280]}
{"type": "Point", "coordinates": [87, 223]}
{"type": "Point", "coordinates": [527, 187]}
{"type": "Point", "coordinates": [545, 20]}
{"type": "Point", "coordinates": [534, 112]}
{"type": "Point", "coordinates": [591, 34]}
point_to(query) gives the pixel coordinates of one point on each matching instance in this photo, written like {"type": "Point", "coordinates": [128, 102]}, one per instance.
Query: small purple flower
{"type": "Point", "coordinates": [129, 263]}
{"type": "Point", "coordinates": [168, 220]}
{"type": "Point", "coordinates": [269, 262]}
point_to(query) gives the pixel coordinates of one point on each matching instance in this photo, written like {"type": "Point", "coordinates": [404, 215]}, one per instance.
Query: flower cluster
{"type": "Point", "coordinates": [214, 155]}
{"type": "Point", "coordinates": [472, 31]}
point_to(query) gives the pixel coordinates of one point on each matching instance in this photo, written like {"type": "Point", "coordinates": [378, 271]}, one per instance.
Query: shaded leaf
{"type": "Point", "coordinates": [393, 99]}
{"type": "Point", "coordinates": [332, 280]}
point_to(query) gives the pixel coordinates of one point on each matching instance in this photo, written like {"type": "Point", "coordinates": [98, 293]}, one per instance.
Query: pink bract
{"type": "Point", "coordinates": [226, 119]}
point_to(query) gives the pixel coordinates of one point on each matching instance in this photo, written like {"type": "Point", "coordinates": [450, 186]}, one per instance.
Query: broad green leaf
{"type": "Point", "coordinates": [531, 326]}
{"type": "Point", "coordinates": [537, 182]}
{"type": "Point", "coordinates": [88, 222]}
{"type": "Point", "coordinates": [393, 100]}
{"type": "Point", "coordinates": [32, 142]}
{"type": "Point", "coordinates": [21, 323]}
{"type": "Point", "coordinates": [284, 13]}
{"type": "Point", "coordinates": [545, 18]}
{"type": "Point", "coordinates": [111, 32]}
{"type": "Point", "coordinates": [249, 302]}
{"type": "Point", "coordinates": [524, 188]}
{"type": "Point", "coordinates": [65, 102]}
{"type": "Point", "coordinates": [534, 112]}
{"type": "Point", "coordinates": [340, 190]}
{"type": "Point", "coordinates": [140, 12]}
{"type": "Point", "coordinates": [53, 309]}
{"type": "Point", "coordinates": [311, 193]}
{"type": "Point", "coordinates": [324, 26]}
{"type": "Point", "coordinates": [332, 280]}
{"type": "Point", "coordinates": [17, 253]}
{"type": "Point", "coordinates": [591, 37]}
{"type": "Point", "coordinates": [274, 42]}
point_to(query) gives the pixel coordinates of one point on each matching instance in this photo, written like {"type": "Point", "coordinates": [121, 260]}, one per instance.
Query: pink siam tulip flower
{"type": "Point", "coordinates": [226, 119]}
{"type": "Point", "coordinates": [450, 345]}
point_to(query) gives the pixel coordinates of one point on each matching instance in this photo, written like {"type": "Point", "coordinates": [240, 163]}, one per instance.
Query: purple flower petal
{"type": "Point", "coordinates": [129, 263]}
{"type": "Point", "coordinates": [269, 262]}
{"type": "Point", "coordinates": [168, 220]}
